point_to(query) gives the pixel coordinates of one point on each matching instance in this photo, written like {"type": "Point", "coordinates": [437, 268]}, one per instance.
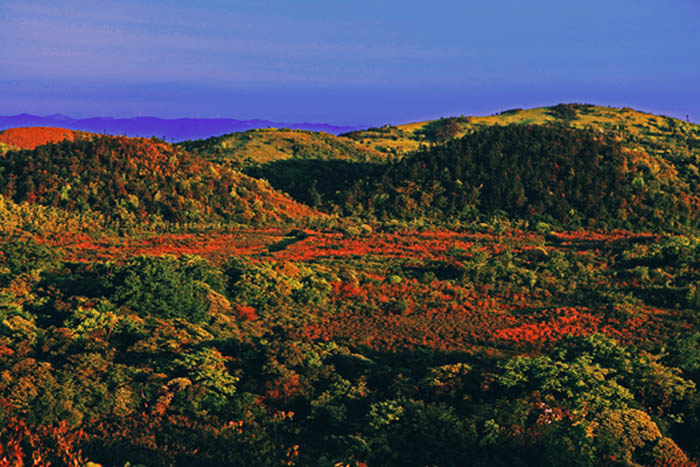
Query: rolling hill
{"type": "Point", "coordinates": [453, 168]}
{"type": "Point", "coordinates": [560, 174]}
{"type": "Point", "coordinates": [514, 163]}
{"type": "Point", "coordinates": [262, 146]}
{"type": "Point", "coordinates": [653, 133]}
{"type": "Point", "coordinates": [140, 180]}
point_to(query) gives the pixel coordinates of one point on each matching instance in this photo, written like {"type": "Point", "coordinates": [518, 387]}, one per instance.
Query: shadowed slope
{"type": "Point", "coordinates": [539, 172]}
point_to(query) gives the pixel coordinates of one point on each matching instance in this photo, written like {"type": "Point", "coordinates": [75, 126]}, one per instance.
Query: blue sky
{"type": "Point", "coordinates": [345, 62]}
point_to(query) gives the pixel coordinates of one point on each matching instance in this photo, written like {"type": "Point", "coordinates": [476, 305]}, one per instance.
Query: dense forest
{"type": "Point", "coordinates": [573, 177]}
{"type": "Point", "coordinates": [514, 294]}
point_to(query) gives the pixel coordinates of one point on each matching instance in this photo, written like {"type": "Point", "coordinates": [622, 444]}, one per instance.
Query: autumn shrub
{"type": "Point", "coordinates": [16, 323]}
{"type": "Point", "coordinates": [684, 353]}
{"type": "Point", "coordinates": [22, 444]}
{"type": "Point", "coordinates": [666, 453]}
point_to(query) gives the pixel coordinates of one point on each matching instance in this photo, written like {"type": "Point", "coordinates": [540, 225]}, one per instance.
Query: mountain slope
{"type": "Point", "coordinates": [140, 180]}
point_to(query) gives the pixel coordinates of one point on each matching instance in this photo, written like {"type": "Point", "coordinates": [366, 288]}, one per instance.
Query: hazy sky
{"type": "Point", "coordinates": [345, 61]}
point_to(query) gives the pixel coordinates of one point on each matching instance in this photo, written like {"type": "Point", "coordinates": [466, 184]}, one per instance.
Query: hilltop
{"type": "Point", "coordinates": [574, 177]}
{"type": "Point", "coordinates": [140, 180]}
{"type": "Point", "coordinates": [31, 137]}
{"type": "Point", "coordinates": [301, 163]}
{"type": "Point", "coordinates": [262, 146]}
{"type": "Point", "coordinates": [658, 134]}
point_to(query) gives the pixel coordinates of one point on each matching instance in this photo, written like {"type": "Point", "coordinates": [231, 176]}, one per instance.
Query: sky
{"type": "Point", "coordinates": [345, 62]}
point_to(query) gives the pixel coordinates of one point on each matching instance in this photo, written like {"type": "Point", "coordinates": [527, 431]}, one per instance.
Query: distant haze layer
{"type": "Point", "coordinates": [169, 129]}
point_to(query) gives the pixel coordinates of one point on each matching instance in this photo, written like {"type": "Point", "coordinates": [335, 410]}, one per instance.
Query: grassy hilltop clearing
{"type": "Point", "coordinates": [512, 290]}
{"type": "Point", "coordinates": [653, 133]}
{"type": "Point", "coordinates": [271, 144]}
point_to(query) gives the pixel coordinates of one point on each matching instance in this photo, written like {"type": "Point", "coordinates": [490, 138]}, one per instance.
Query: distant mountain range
{"type": "Point", "coordinates": [179, 129]}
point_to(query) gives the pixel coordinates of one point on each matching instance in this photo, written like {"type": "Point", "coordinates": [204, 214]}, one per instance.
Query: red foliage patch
{"type": "Point", "coordinates": [24, 444]}
{"type": "Point", "coordinates": [29, 138]}
{"type": "Point", "coordinates": [246, 313]}
{"type": "Point", "coordinates": [432, 245]}
{"type": "Point", "coordinates": [555, 324]}
{"type": "Point", "coordinates": [216, 247]}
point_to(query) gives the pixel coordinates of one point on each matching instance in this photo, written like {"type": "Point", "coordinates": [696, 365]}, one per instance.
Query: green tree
{"type": "Point", "coordinates": [165, 286]}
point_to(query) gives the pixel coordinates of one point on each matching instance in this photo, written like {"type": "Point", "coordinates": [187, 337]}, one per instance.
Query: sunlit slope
{"type": "Point", "coordinates": [269, 145]}
{"type": "Point", "coordinates": [31, 137]}
{"type": "Point", "coordinates": [652, 133]}
{"type": "Point", "coordinates": [140, 180]}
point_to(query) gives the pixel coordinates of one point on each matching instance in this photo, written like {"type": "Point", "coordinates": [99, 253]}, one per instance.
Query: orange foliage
{"type": "Point", "coordinates": [246, 313]}
{"type": "Point", "coordinates": [441, 315]}
{"type": "Point", "coordinates": [572, 237]}
{"type": "Point", "coordinates": [565, 321]}
{"type": "Point", "coordinates": [432, 245]}
{"type": "Point", "coordinates": [284, 389]}
{"type": "Point", "coordinates": [25, 444]}
{"type": "Point", "coordinates": [216, 247]}
{"type": "Point", "coordinates": [29, 138]}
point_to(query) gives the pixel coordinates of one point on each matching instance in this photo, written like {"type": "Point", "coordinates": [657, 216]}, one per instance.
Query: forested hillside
{"type": "Point", "coordinates": [538, 173]}
{"type": "Point", "coordinates": [139, 180]}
